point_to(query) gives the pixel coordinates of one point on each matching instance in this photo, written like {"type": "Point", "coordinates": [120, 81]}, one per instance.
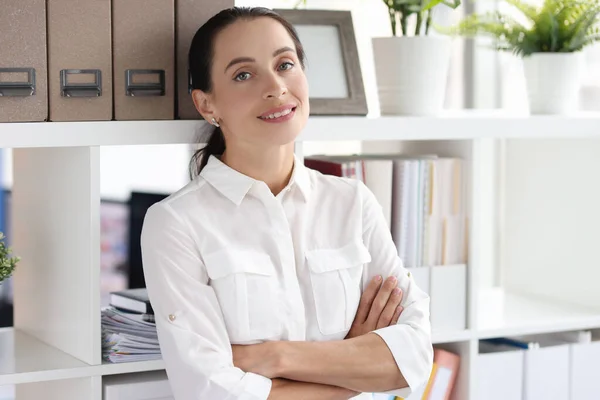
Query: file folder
{"type": "Point", "coordinates": [190, 15]}
{"type": "Point", "coordinates": [23, 62]}
{"type": "Point", "coordinates": [79, 60]}
{"type": "Point", "coordinates": [143, 59]}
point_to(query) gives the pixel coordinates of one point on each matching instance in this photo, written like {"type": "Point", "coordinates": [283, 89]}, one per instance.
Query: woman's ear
{"type": "Point", "coordinates": [203, 104]}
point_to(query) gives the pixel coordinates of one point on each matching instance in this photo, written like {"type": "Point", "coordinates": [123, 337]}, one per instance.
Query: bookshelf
{"type": "Point", "coordinates": [54, 348]}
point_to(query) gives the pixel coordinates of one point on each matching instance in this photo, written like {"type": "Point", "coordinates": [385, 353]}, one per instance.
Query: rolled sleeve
{"type": "Point", "coordinates": [409, 340]}
{"type": "Point", "coordinates": [192, 334]}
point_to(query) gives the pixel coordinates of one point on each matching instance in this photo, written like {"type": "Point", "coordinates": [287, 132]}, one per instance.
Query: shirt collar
{"type": "Point", "coordinates": [234, 185]}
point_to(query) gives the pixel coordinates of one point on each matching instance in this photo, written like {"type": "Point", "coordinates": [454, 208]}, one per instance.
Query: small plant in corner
{"type": "Point", "coordinates": [556, 26]}
{"type": "Point", "coordinates": [8, 263]}
{"type": "Point", "coordinates": [549, 39]}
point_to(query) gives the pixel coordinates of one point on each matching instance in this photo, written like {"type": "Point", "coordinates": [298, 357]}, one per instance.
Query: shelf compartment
{"type": "Point", "coordinates": [511, 314]}
{"type": "Point", "coordinates": [25, 359]}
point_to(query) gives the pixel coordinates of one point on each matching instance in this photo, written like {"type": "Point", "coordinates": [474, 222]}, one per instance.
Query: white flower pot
{"type": "Point", "coordinates": [553, 81]}
{"type": "Point", "coordinates": [411, 73]}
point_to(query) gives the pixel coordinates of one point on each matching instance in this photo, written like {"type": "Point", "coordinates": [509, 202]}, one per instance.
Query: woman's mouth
{"type": "Point", "coordinates": [281, 115]}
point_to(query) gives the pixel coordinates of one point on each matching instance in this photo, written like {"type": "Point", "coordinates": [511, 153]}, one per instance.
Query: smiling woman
{"type": "Point", "coordinates": [245, 75]}
{"type": "Point", "coordinates": [266, 277]}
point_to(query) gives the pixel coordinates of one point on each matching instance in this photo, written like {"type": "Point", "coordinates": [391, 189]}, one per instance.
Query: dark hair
{"type": "Point", "coordinates": [200, 61]}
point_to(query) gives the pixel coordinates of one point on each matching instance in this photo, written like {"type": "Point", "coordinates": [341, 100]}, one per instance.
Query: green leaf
{"type": "Point", "coordinates": [8, 263]}
{"type": "Point", "coordinates": [431, 4]}
{"type": "Point", "coordinates": [555, 26]}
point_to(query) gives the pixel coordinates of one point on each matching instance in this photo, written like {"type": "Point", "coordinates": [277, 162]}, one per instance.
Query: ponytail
{"type": "Point", "coordinates": [214, 147]}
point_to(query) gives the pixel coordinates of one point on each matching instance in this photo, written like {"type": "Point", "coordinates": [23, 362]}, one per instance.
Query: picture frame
{"type": "Point", "coordinates": [333, 69]}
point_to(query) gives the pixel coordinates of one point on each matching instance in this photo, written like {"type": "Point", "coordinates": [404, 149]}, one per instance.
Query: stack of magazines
{"type": "Point", "coordinates": [128, 337]}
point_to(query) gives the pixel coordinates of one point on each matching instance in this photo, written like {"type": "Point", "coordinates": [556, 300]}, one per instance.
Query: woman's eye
{"type": "Point", "coordinates": [286, 65]}
{"type": "Point", "coordinates": [242, 76]}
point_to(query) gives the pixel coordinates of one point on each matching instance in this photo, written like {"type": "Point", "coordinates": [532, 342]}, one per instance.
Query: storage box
{"type": "Point", "coordinates": [546, 372]}
{"type": "Point", "coordinates": [137, 386]}
{"type": "Point", "coordinates": [499, 373]}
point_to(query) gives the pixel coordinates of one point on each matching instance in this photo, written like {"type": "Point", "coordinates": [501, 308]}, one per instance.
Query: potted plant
{"type": "Point", "coordinates": [549, 38]}
{"type": "Point", "coordinates": [8, 263]}
{"type": "Point", "coordinates": [412, 65]}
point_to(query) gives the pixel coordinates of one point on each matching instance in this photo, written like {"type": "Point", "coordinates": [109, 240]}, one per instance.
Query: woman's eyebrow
{"type": "Point", "coordinates": [240, 60]}
{"type": "Point", "coordinates": [282, 50]}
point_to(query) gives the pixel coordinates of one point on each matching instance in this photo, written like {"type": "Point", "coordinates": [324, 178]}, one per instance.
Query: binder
{"type": "Point", "coordinates": [190, 15]}
{"type": "Point", "coordinates": [79, 60]}
{"type": "Point", "coordinates": [443, 375]}
{"type": "Point", "coordinates": [442, 378]}
{"type": "Point", "coordinates": [143, 59]}
{"type": "Point", "coordinates": [23, 62]}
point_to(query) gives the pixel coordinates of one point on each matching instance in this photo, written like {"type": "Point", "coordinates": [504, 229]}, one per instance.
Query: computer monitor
{"type": "Point", "coordinates": [139, 203]}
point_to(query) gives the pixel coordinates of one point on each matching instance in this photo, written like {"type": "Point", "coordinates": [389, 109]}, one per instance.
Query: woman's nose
{"type": "Point", "coordinates": [275, 89]}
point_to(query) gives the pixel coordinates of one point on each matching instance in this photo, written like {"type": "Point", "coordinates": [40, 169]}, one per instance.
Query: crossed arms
{"type": "Point", "coordinates": [335, 369]}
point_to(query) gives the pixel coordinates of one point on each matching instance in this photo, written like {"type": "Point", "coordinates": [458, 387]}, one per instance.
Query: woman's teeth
{"type": "Point", "coordinates": [278, 114]}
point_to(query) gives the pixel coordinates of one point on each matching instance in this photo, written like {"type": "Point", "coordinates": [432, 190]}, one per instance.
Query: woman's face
{"type": "Point", "coordinates": [260, 91]}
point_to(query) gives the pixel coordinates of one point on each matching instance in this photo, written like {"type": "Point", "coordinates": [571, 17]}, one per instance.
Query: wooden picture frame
{"type": "Point", "coordinates": [333, 69]}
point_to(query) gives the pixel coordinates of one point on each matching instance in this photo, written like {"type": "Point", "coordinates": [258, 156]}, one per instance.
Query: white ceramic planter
{"type": "Point", "coordinates": [411, 73]}
{"type": "Point", "coordinates": [553, 81]}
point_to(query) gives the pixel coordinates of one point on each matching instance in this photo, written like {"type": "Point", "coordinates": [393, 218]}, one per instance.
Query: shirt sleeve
{"type": "Point", "coordinates": [193, 339]}
{"type": "Point", "coordinates": [410, 339]}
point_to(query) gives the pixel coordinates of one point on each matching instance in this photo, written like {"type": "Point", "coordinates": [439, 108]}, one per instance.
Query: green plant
{"type": "Point", "coordinates": [7, 263]}
{"type": "Point", "coordinates": [401, 11]}
{"type": "Point", "coordinates": [556, 26]}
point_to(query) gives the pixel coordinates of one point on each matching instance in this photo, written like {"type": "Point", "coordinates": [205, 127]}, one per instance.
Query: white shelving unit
{"type": "Point", "coordinates": [54, 350]}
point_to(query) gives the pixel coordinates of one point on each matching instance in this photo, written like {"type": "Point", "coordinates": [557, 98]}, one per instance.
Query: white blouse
{"type": "Point", "coordinates": [227, 262]}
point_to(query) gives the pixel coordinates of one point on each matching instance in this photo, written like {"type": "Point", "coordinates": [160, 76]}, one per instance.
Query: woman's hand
{"type": "Point", "coordinates": [263, 358]}
{"type": "Point", "coordinates": [379, 307]}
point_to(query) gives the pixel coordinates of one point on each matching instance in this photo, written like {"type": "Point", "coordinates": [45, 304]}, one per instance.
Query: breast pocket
{"type": "Point", "coordinates": [246, 286]}
{"type": "Point", "coordinates": [335, 276]}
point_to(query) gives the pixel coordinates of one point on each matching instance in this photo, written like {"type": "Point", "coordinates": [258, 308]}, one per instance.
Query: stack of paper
{"type": "Point", "coordinates": [128, 337]}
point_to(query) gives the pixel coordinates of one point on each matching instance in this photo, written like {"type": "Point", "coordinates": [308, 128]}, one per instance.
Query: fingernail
{"type": "Point", "coordinates": [400, 308]}
{"type": "Point", "coordinates": [396, 291]}
{"type": "Point", "coordinates": [378, 278]}
{"type": "Point", "coordinates": [393, 279]}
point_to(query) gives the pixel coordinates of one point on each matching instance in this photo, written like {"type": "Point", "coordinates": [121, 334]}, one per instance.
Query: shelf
{"type": "Point", "coordinates": [450, 337]}
{"type": "Point", "coordinates": [522, 315]}
{"type": "Point", "coordinates": [24, 359]}
{"type": "Point", "coordinates": [98, 133]}
{"type": "Point", "coordinates": [452, 125]}
{"type": "Point", "coordinates": [125, 368]}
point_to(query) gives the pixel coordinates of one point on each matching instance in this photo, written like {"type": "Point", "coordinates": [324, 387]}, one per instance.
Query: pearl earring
{"type": "Point", "coordinates": [214, 122]}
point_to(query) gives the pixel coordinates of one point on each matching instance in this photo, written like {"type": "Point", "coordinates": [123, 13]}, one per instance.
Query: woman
{"type": "Point", "coordinates": [266, 277]}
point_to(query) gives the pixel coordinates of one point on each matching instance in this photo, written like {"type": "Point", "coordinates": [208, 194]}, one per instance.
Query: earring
{"type": "Point", "coordinates": [214, 122]}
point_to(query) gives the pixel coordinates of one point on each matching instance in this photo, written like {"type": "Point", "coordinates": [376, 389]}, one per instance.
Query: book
{"type": "Point", "coordinates": [132, 300]}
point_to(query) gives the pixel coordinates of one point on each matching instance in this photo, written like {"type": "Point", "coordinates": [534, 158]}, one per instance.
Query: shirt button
{"type": "Point", "coordinates": [172, 317]}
